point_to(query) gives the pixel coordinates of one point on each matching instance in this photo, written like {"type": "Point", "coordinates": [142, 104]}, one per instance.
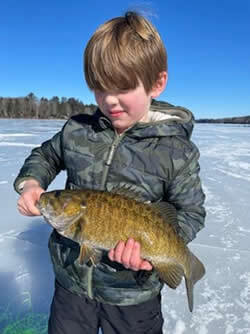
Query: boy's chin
{"type": "Point", "coordinates": [120, 129]}
{"type": "Point", "coordinates": [119, 125]}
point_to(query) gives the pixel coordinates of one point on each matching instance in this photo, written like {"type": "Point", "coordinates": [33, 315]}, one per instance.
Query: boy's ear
{"type": "Point", "coordinates": [160, 84]}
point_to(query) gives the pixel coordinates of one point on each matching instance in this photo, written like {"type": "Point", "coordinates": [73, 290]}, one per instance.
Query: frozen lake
{"type": "Point", "coordinates": [222, 298]}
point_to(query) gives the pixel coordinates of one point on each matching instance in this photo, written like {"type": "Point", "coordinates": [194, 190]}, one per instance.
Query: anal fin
{"type": "Point", "coordinates": [170, 272]}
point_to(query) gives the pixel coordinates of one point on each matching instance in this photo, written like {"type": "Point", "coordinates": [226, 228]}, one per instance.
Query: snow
{"type": "Point", "coordinates": [221, 298]}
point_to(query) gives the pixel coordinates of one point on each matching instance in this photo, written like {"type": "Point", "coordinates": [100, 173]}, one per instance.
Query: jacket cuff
{"type": "Point", "coordinates": [19, 183]}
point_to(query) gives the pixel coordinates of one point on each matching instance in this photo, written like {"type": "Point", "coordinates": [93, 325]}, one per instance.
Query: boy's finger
{"type": "Point", "coordinates": [33, 210]}
{"type": "Point", "coordinates": [27, 208]}
{"type": "Point", "coordinates": [22, 211]}
{"type": "Point", "coordinates": [118, 250]}
{"type": "Point", "coordinates": [145, 265]}
{"type": "Point", "coordinates": [135, 260]}
{"type": "Point", "coordinates": [127, 252]}
{"type": "Point", "coordinates": [111, 254]}
{"type": "Point", "coordinates": [22, 208]}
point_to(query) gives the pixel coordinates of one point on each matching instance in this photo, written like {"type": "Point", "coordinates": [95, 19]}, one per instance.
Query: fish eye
{"type": "Point", "coordinates": [57, 193]}
{"type": "Point", "coordinates": [83, 205]}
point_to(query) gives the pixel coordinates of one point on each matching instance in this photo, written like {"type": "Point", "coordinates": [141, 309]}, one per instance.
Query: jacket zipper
{"type": "Point", "coordinates": [107, 163]}
{"type": "Point", "coordinates": [89, 282]}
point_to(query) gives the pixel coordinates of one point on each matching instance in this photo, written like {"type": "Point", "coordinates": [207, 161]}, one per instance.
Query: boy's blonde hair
{"type": "Point", "coordinates": [122, 52]}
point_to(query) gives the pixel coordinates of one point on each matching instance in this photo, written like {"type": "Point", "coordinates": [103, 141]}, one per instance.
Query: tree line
{"type": "Point", "coordinates": [227, 120]}
{"type": "Point", "coordinates": [32, 107]}
{"type": "Point", "coordinates": [63, 108]}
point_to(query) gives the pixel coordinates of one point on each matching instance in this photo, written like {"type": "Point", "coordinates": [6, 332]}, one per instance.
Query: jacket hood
{"type": "Point", "coordinates": [164, 120]}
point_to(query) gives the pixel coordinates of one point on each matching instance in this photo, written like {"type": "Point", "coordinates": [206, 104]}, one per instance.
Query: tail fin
{"type": "Point", "coordinates": [197, 271]}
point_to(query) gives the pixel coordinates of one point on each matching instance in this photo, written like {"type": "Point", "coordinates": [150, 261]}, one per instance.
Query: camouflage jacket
{"type": "Point", "coordinates": [157, 158]}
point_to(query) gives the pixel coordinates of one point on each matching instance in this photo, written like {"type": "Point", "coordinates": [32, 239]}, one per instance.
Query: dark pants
{"type": "Point", "coordinates": [79, 315]}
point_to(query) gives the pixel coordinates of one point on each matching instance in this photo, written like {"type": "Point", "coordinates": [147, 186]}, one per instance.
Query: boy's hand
{"type": "Point", "coordinates": [129, 255]}
{"type": "Point", "coordinates": [29, 197]}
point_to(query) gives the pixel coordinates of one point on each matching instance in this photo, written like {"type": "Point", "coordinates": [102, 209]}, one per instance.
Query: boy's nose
{"type": "Point", "coordinates": [111, 99]}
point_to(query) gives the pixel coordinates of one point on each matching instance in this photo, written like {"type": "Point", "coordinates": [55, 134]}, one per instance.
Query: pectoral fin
{"type": "Point", "coordinates": [89, 254]}
{"type": "Point", "coordinates": [171, 273]}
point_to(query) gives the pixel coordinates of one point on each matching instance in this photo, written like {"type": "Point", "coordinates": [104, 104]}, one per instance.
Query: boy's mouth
{"type": "Point", "coordinates": [116, 113]}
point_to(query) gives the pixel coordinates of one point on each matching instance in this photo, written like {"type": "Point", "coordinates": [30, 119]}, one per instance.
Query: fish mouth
{"type": "Point", "coordinates": [45, 212]}
{"type": "Point", "coordinates": [38, 206]}
{"type": "Point", "coordinates": [41, 209]}
{"type": "Point", "coordinates": [58, 222]}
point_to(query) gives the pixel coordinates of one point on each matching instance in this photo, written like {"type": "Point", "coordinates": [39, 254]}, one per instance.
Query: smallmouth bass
{"type": "Point", "coordinates": [97, 220]}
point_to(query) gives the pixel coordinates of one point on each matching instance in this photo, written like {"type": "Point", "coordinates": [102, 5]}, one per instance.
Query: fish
{"type": "Point", "coordinates": [97, 220]}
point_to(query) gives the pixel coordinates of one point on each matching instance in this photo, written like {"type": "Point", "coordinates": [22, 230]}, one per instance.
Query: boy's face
{"type": "Point", "coordinates": [124, 109]}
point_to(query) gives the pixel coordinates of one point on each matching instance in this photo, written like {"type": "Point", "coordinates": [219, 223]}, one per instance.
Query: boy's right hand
{"type": "Point", "coordinates": [29, 197]}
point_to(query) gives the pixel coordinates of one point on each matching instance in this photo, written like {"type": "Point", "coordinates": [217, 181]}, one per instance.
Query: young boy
{"type": "Point", "coordinates": [130, 140]}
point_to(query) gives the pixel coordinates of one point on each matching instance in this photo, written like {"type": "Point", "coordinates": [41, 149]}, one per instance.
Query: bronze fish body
{"type": "Point", "coordinates": [97, 220]}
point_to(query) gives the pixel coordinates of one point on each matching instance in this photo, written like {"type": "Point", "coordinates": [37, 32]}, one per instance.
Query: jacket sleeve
{"type": "Point", "coordinates": [43, 164]}
{"type": "Point", "coordinates": [186, 194]}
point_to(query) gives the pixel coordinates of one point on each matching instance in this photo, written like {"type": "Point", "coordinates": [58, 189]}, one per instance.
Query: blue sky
{"type": "Point", "coordinates": [208, 44]}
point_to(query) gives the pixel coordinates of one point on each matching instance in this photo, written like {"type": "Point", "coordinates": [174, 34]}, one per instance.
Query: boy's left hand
{"type": "Point", "coordinates": [129, 255]}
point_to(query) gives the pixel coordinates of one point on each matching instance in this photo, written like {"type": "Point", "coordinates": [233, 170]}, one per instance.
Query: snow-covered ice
{"type": "Point", "coordinates": [222, 298]}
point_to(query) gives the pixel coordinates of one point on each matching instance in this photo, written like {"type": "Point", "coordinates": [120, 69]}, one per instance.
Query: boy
{"type": "Point", "coordinates": [130, 140]}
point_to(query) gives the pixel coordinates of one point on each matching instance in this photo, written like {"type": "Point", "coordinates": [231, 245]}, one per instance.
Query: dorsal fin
{"type": "Point", "coordinates": [167, 211]}
{"type": "Point", "coordinates": [128, 191]}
